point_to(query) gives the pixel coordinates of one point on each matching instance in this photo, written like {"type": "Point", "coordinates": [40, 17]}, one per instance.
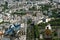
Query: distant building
{"type": "Point", "coordinates": [2, 2]}
{"type": "Point", "coordinates": [57, 1]}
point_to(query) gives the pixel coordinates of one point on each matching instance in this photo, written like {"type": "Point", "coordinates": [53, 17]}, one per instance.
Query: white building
{"type": "Point", "coordinates": [48, 27]}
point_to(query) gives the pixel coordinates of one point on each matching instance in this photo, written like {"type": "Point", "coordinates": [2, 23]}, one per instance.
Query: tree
{"type": "Point", "coordinates": [33, 8]}
{"type": "Point", "coordinates": [17, 0]}
{"type": "Point", "coordinates": [30, 32]}
{"type": "Point", "coordinates": [55, 22]}
{"type": "Point", "coordinates": [19, 13]}
{"type": "Point", "coordinates": [29, 21]}
{"type": "Point", "coordinates": [36, 32]}
{"type": "Point", "coordinates": [51, 1]}
{"type": "Point", "coordinates": [42, 25]}
{"type": "Point", "coordinates": [6, 5]}
{"type": "Point", "coordinates": [33, 32]}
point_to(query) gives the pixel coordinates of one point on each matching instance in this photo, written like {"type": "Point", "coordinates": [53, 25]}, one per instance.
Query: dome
{"type": "Point", "coordinates": [48, 27]}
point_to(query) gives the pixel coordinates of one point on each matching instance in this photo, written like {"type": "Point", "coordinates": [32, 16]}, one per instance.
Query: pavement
{"type": "Point", "coordinates": [23, 37]}
{"type": "Point", "coordinates": [5, 38]}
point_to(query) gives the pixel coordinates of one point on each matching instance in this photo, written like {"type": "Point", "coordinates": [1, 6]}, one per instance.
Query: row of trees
{"type": "Point", "coordinates": [42, 25]}
{"type": "Point", "coordinates": [19, 13]}
{"type": "Point", "coordinates": [55, 22]}
{"type": "Point", "coordinates": [32, 31]}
